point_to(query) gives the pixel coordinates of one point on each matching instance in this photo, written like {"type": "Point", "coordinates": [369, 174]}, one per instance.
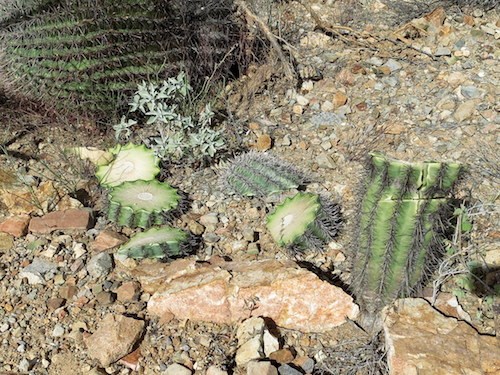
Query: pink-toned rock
{"type": "Point", "coordinates": [71, 219]}
{"type": "Point", "coordinates": [16, 225]}
{"type": "Point", "coordinates": [128, 291]}
{"type": "Point", "coordinates": [232, 291]}
{"type": "Point", "coordinates": [114, 338]}
{"type": "Point", "coordinates": [420, 340]}
{"type": "Point", "coordinates": [107, 239]}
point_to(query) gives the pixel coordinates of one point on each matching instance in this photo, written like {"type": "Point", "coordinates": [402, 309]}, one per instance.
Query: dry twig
{"type": "Point", "coordinates": [269, 35]}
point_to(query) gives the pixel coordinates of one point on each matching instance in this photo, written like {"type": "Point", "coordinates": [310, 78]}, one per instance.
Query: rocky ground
{"type": "Point", "coordinates": [417, 85]}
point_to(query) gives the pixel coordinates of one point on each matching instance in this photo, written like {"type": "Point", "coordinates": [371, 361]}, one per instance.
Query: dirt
{"type": "Point", "coordinates": [410, 113]}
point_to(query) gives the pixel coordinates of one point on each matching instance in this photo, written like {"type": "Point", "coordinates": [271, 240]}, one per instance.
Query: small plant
{"type": "Point", "coordinates": [401, 232]}
{"type": "Point", "coordinates": [304, 221]}
{"type": "Point", "coordinates": [158, 243]}
{"type": "Point", "coordinates": [259, 174]}
{"type": "Point", "coordinates": [131, 162]}
{"type": "Point", "coordinates": [178, 135]}
{"type": "Point", "coordinates": [141, 203]}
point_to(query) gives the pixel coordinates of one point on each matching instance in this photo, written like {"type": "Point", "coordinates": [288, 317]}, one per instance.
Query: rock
{"type": "Point", "coordinates": [291, 296]}
{"type": "Point", "coordinates": [302, 100]}
{"type": "Point", "coordinates": [271, 343]}
{"type": "Point", "coordinates": [288, 370]}
{"type": "Point", "coordinates": [16, 225]}
{"type": "Point", "coordinates": [325, 161]}
{"type": "Point", "coordinates": [470, 92]}
{"type": "Point", "coordinates": [100, 265]}
{"type": "Point", "coordinates": [55, 303]}
{"type": "Point", "coordinates": [305, 363]}
{"type": "Point", "coordinates": [71, 219]}
{"type": "Point", "coordinates": [128, 291]}
{"type": "Point", "coordinates": [250, 343]}
{"type": "Point", "coordinates": [264, 142]}
{"type": "Point", "coordinates": [214, 370]}
{"type": "Point", "coordinates": [393, 65]}
{"type": "Point", "coordinates": [58, 331]}
{"type": "Point", "coordinates": [177, 369]}
{"type": "Point", "coordinates": [131, 360]}
{"type": "Point", "coordinates": [6, 241]}
{"type": "Point", "coordinates": [114, 338]}
{"type": "Point", "coordinates": [261, 368]}
{"type": "Point", "coordinates": [249, 350]}
{"type": "Point", "coordinates": [105, 298]}
{"type": "Point", "coordinates": [35, 271]}
{"type": "Point", "coordinates": [27, 199]}
{"type": "Point", "coordinates": [442, 51]}
{"type": "Point", "coordinates": [339, 99]}
{"type": "Point", "coordinates": [106, 240]}
{"type": "Point", "coordinates": [282, 356]}
{"type": "Point", "coordinates": [374, 61]}
{"type": "Point", "coordinates": [297, 109]}
{"type": "Point", "coordinates": [68, 291]}
{"type": "Point", "coordinates": [421, 340]}
{"type": "Point", "coordinates": [464, 110]}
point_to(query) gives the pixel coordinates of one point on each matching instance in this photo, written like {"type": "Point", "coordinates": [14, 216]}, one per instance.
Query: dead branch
{"type": "Point", "coordinates": [290, 73]}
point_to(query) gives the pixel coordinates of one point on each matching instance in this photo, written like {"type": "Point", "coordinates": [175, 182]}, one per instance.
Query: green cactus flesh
{"type": "Point", "coordinates": [164, 242]}
{"type": "Point", "coordinates": [399, 233]}
{"type": "Point", "coordinates": [260, 174]}
{"type": "Point", "coordinates": [131, 162]}
{"type": "Point", "coordinates": [304, 221]}
{"type": "Point", "coordinates": [141, 203]}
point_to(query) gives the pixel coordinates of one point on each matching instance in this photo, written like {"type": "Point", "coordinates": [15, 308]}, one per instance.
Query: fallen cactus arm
{"type": "Point", "coordinates": [141, 203]}
{"type": "Point", "coordinates": [304, 221]}
{"type": "Point", "coordinates": [131, 162]}
{"type": "Point", "coordinates": [259, 174]}
{"type": "Point", "coordinates": [400, 228]}
{"type": "Point", "coordinates": [157, 243]}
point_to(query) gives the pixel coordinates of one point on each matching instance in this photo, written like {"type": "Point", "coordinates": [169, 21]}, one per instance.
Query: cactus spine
{"type": "Point", "coordinates": [259, 174]}
{"type": "Point", "coordinates": [400, 229]}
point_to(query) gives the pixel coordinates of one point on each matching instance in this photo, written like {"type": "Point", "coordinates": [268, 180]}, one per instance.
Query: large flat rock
{"type": "Point", "coordinates": [420, 340]}
{"type": "Point", "coordinates": [228, 292]}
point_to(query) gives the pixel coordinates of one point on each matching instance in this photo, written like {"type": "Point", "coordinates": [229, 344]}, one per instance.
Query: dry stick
{"type": "Point", "coordinates": [270, 36]}
{"type": "Point", "coordinates": [334, 29]}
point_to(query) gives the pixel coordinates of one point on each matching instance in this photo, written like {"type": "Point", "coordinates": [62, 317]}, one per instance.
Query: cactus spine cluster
{"type": "Point", "coordinates": [259, 174]}
{"type": "Point", "coordinates": [400, 230]}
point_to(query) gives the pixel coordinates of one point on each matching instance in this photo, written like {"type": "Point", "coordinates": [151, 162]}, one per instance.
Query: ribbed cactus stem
{"type": "Point", "coordinates": [399, 235]}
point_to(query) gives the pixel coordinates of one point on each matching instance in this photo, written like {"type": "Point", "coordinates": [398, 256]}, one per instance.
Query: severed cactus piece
{"type": "Point", "coordinates": [131, 162]}
{"type": "Point", "coordinates": [400, 229]}
{"type": "Point", "coordinates": [304, 221]}
{"type": "Point", "coordinates": [141, 203]}
{"type": "Point", "coordinates": [260, 174]}
{"type": "Point", "coordinates": [164, 242]}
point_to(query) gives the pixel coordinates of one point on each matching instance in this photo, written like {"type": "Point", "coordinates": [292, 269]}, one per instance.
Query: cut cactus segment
{"type": "Point", "coordinates": [304, 221]}
{"type": "Point", "coordinates": [141, 203]}
{"type": "Point", "coordinates": [259, 174]}
{"type": "Point", "coordinates": [157, 243]}
{"type": "Point", "coordinates": [131, 163]}
{"type": "Point", "coordinates": [400, 229]}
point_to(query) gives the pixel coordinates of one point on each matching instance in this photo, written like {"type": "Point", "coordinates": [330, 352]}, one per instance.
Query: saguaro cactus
{"type": "Point", "coordinates": [400, 228]}
{"type": "Point", "coordinates": [89, 54]}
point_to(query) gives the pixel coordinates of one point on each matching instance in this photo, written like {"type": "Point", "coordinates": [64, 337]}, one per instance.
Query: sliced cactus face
{"type": "Point", "coordinates": [164, 242]}
{"type": "Point", "coordinates": [303, 221]}
{"type": "Point", "coordinates": [141, 203]}
{"type": "Point", "coordinates": [260, 174]}
{"type": "Point", "coordinates": [131, 162]}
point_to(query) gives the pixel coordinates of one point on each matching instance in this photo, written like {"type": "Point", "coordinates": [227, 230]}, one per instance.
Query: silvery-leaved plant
{"type": "Point", "coordinates": [178, 135]}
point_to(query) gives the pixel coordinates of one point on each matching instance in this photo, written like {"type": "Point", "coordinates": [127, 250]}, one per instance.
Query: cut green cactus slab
{"type": "Point", "coordinates": [131, 162]}
{"type": "Point", "coordinates": [157, 243]}
{"type": "Point", "coordinates": [141, 203]}
{"type": "Point", "coordinates": [400, 236]}
{"type": "Point", "coordinates": [304, 221]}
{"type": "Point", "coordinates": [259, 174]}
